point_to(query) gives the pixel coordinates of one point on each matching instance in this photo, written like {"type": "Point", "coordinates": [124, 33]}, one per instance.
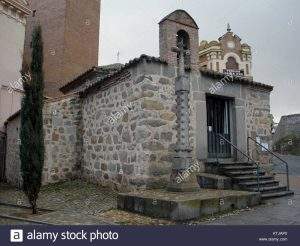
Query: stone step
{"type": "Point", "coordinates": [244, 173]}
{"type": "Point", "coordinates": [237, 168]}
{"type": "Point", "coordinates": [277, 194]}
{"type": "Point", "coordinates": [267, 190]}
{"type": "Point", "coordinates": [240, 179]}
{"type": "Point", "coordinates": [235, 164]}
{"type": "Point", "coordinates": [265, 183]}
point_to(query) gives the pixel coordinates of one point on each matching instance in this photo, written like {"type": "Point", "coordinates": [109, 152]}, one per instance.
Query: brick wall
{"type": "Point", "coordinates": [70, 30]}
{"type": "Point", "coordinates": [168, 29]}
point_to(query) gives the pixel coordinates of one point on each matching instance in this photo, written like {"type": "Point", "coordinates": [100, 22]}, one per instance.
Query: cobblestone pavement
{"type": "Point", "coordinates": [49, 217]}
{"type": "Point", "coordinates": [74, 196]}
{"type": "Point", "coordinates": [13, 222]}
{"type": "Point", "coordinates": [81, 203]}
{"type": "Point", "coordinates": [75, 203]}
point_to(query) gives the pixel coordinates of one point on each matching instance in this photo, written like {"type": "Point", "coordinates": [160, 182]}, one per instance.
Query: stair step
{"type": "Point", "coordinates": [238, 168]}
{"type": "Point", "coordinates": [244, 176]}
{"type": "Point", "coordinates": [244, 173]}
{"type": "Point", "coordinates": [252, 177]}
{"type": "Point", "coordinates": [267, 190]}
{"type": "Point", "coordinates": [277, 194]}
{"type": "Point", "coordinates": [236, 164]}
{"type": "Point", "coordinates": [266, 183]}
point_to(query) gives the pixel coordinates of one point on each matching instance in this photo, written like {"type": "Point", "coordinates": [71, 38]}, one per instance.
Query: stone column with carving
{"type": "Point", "coordinates": [183, 177]}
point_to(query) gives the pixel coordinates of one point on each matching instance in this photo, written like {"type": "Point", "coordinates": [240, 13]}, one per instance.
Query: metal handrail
{"type": "Point", "coordinates": [272, 153]}
{"type": "Point", "coordinates": [245, 155]}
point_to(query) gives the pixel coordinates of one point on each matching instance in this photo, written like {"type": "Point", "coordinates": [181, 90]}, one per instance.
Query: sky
{"type": "Point", "coordinates": [270, 27]}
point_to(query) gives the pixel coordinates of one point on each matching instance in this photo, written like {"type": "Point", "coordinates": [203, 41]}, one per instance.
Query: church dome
{"type": "Point", "coordinates": [203, 44]}
{"type": "Point", "coordinates": [213, 43]}
{"type": "Point", "coordinates": [245, 45]}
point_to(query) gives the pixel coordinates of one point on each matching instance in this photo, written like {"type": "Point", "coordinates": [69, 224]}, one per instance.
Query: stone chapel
{"type": "Point", "coordinates": [135, 149]}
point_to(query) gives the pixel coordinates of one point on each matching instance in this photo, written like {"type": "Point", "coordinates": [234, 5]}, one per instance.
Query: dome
{"type": "Point", "coordinates": [213, 43]}
{"type": "Point", "coordinates": [203, 44]}
{"type": "Point", "coordinates": [245, 45]}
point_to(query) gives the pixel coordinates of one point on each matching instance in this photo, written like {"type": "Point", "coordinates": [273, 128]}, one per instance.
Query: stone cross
{"type": "Point", "coordinates": [182, 53]}
{"type": "Point", "coordinates": [183, 158]}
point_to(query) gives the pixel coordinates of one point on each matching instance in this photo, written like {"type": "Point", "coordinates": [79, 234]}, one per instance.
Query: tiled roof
{"type": "Point", "coordinates": [148, 59]}
{"type": "Point", "coordinates": [174, 15]}
{"type": "Point", "coordinates": [98, 72]}
{"type": "Point", "coordinates": [12, 117]}
{"type": "Point", "coordinates": [236, 79]}
{"type": "Point", "coordinates": [142, 58]}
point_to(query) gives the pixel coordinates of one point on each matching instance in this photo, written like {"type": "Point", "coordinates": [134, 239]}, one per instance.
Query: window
{"type": "Point", "coordinates": [247, 69]}
{"type": "Point", "coordinates": [218, 66]}
{"type": "Point", "coordinates": [232, 64]}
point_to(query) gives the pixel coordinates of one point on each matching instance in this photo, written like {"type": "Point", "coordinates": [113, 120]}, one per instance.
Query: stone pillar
{"type": "Point", "coordinates": [183, 177]}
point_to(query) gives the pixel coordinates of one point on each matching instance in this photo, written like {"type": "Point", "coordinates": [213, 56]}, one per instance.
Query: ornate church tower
{"type": "Point", "coordinates": [70, 30]}
{"type": "Point", "coordinates": [174, 28]}
{"type": "Point", "coordinates": [227, 55]}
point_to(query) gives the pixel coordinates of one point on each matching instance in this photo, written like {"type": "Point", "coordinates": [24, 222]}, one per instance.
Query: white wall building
{"type": "Point", "coordinates": [12, 29]}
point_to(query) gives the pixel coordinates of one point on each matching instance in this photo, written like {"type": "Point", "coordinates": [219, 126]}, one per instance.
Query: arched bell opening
{"type": "Point", "coordinates": [183, 37]}
{"type": "Point", "coordinates": [232, 64]}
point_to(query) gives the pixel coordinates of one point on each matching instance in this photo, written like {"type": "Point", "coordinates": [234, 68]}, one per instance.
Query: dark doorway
{"type": "Point", "coordinates": [2, 156]}
{"type": "Point", "coordinates": [218, 122]}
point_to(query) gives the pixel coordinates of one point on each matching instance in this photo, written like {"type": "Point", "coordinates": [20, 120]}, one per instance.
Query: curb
{"type": "Point", "coordinates": [26, 207]}
{"type": "Point", "coordinates": [25, 220]}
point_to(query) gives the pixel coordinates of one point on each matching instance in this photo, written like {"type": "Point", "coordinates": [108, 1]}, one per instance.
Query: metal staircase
{"type": "Point", "coordinates": [249, 176]}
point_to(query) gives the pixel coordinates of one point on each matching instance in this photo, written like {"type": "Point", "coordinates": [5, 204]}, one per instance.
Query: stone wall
{"type": "Point", "coordinates": [258, 122]}
{"type": "Point", "coordinates": [286, 139]}
{"type": "Point", "coordinates": [121, 132]}
{"type": "Point", "coordinates": [288, 125]}
{"type": "Point", "coordinates": [62, 134]}
{"type": "Point", "coordinates": [63, 145]}
{"type": "Point", "coordinates": [133, 149]}
{"type": "Point", "coordinates": [13, 163]}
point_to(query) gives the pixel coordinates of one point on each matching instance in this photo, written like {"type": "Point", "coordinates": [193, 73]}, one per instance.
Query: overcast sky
{"type": "Point", "coordinates": [271, 27]}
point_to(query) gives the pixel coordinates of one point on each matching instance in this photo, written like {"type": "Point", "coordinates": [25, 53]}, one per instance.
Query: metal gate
{"type": "Point", "coordinates": [218, 122]}
{"type": "Point", "coordinates": [2, 156]}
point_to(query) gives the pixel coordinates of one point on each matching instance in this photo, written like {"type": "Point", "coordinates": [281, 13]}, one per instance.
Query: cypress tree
{"type": "Point", "coordinates": [31, 133]}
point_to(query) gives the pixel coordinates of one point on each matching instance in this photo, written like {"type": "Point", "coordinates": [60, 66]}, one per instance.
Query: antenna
{"type": "Point", "coordinates": [118, 56]}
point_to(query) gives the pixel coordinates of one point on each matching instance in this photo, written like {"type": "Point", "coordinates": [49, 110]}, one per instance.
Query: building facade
{"type": "Point", "coordinates": [70, 36]}
{"type": "Point", "coordinates": [228, 55]}
{"type": "Point", "coordinates": [286, 139]}
{"type": "Point", "coordinates": [120, 130]}
{"type": "Point", "coordinates": [13, 15]}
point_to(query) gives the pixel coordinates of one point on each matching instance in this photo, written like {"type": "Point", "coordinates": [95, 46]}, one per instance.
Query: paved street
{"type": "Point", "coordinates": [74, 201]}
{"type": "Point", "coordinates": [279, 211]}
